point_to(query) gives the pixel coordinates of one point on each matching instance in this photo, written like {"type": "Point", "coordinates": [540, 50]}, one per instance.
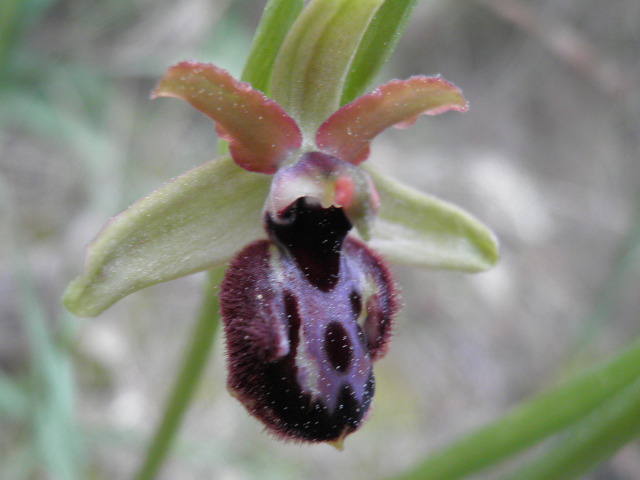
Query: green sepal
{"type": "Point", "coordinates": [420, 230]}
{"type": "Point", "coordinates": [276, 21]}
{"type": "Point", "coordinates": [377, 45]}
{"type": "Point", "coordinates": [192, 223]}
{"type": "Point", "coordinates": [315, 58]}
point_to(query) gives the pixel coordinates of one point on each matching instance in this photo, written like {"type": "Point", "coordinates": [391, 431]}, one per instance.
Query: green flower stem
{"type": "Point", "coordinates": [533, 421]}
{"type": "Point", "coordinates": [595, 439]}
{"type": "Point", "coordinates": [187, 381]}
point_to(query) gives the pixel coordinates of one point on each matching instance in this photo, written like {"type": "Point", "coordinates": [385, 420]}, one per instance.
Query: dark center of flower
{"type": "Point", "coordinates": [313, 236]}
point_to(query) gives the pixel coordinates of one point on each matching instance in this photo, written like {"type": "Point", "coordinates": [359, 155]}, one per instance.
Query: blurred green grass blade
{"type": "Point", "coordinates": [16, 17]}
{"type": "Point", "coordinates": [13, 398]}
{"type": "Point", "coordinates": [592, 441]}
{"type": "Point", "coordinates": [531, 422]}
{"type": "Point", "coordinates": [57, 438]}
{"type": "Point", "coordinates": [377, 45]}
{"type": "Point", "coordinates": [9, 24]}
{"type": "Point", "coordinates": [276, 21]}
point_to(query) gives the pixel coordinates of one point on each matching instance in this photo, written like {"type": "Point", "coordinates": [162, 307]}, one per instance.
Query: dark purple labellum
{"type": "Point", "coordinates": [305, 315]}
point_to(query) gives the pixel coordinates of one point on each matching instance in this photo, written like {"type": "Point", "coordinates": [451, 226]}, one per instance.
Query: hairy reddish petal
{"type": "Point", "coordinates": [348, 132]}
{"type": "Point", "coordinates": [259, 131]}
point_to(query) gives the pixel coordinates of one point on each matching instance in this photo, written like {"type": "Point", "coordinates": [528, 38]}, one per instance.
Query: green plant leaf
{"type": "Point", "coordinates": [531, 422]}
{"type": "Point", "coordinates": [377, 45]}
{"type": "Point", "coordinates": [416, 229]}
{"type": "Point", "coordinates": [194, 222]}
{"type": "Point", "coordinates": [312, 65]}
{"type": "Point", "coordinates": [276, 21]}
{"type": "Point", "coordinates": [348, 133]}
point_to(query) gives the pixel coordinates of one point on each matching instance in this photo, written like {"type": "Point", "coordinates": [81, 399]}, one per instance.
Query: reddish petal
{"type": "Point", "coordinates": [259, 131]}
{"type": "Point", "coordinates": [348, 132]}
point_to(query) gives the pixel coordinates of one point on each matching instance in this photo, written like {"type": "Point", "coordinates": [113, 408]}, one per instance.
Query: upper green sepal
{"type": "Point", "coordinates": [420, 230]}
{"type": "Point", "coordinates": [276, 21]}
{"type": "Point", "coordinates": [315, 58]}
{"type": "Point", "coordinates": [192, 223]}
{"type": "Point", "coordinates": [377, 45]}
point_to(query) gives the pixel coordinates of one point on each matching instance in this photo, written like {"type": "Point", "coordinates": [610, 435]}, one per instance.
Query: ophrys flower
{"type": "Point", "coordinates": [307, 302]}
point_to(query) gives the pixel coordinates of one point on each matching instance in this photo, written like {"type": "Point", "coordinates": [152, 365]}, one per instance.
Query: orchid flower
{"type": "Point", "coordinates": [308, 300]}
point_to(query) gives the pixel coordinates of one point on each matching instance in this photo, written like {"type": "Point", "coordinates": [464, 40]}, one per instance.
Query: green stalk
{"type": "Point", "coordinates": [531, 422]}
{"type": "Point", "coordinates": [187, 381]}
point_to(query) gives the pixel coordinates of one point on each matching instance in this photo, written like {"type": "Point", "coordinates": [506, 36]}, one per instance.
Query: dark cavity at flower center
{"type": "Point", "coordinates": [313, 236]}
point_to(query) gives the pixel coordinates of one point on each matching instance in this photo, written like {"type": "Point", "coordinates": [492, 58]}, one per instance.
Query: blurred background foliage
{"type": "Point", "coordinates": [547, 156]}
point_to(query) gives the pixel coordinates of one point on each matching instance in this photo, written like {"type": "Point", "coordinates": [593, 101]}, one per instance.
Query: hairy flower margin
{"type": "Point", "coordinates": [307, 304]}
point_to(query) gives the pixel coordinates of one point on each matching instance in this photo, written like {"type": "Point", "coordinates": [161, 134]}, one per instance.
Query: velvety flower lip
{"type": "Point", "coordinates": [305, 316]}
